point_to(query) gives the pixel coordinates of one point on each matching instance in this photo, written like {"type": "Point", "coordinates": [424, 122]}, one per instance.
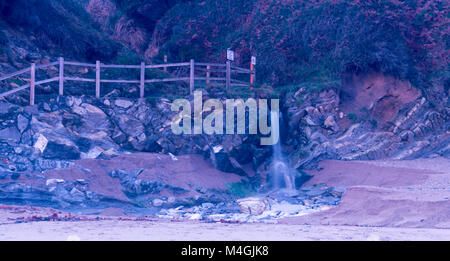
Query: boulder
{"type": "Point", "coordinates": [5, 107]}
{"type": "Point", "coordinates": [77, 195]}
{"type": "Point", "coordinates": [253, 205]}
{"type": "Point", "coordinates": [330, 123]}
{"type": "Point", "coordinates": [132, 127]}
{"type": "Point", "coordinates": [93, 119]}
{"type": "Point", "coordinates": [10, 134]}
{"type": "Point", "coordinates": [123, 103]}
{"type": "Point", "coordinates": [61, 149]}
{"type": "Point", "coordinates": [157, 202]}
{"type": "Point", "coordinates": [22, 123]}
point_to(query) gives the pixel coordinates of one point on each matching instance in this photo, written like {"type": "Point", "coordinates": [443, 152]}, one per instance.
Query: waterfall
{"type": "Point", "coordinates": [283, 177]}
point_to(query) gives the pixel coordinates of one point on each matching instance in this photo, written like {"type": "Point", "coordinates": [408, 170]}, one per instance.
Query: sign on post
{"type": "Point", "coordinates": [230, 55]}
{"type": "Point", "coordinates": [252, 71]}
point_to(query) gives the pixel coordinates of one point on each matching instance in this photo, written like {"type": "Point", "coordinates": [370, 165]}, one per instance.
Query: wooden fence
{"type": "Point", "coordinates": [206, 69]}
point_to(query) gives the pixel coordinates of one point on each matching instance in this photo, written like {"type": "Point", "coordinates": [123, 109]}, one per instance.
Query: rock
{"type": "Point", "coordinates": [73, 101]}
{"type": "Point", "coordinates": [171, 200]}
{"type": "Point", "coordinates": [27, 138]}
{"type": "Point", "coordinates": [5, 107]}
{"type": "Point", "coordinates": [314, 191]}
{"type": "Point", "coordinates": [61, 149]}
{"type": "Point", "coordinates": [253, 205]}
{"type": "Point", "coordinates": [118, 136]}
{"type": "Point", "coordinates": [10, 134]}
{"type": "Point", "coordinates": [330, 123]}
{"type": "Point", "coordinates": [93, 120]}
{"type": "Point", "coordinates": [46, 107]}
{"type": "Point", "coordinates": [407, 135]}
{"type": "Point", "coordinates": [132, 127]}
{"type": "Point", "coordinates": [207, 205]}
{"type": "Point", "coordinates": [295, 119]}
{"type": "Point", "coordinates": [87, 108]}
{"type": "Point", "coordinates": [237, 168]}
{"type": "Point", "coordinates": [41, 143]}
{"type": "Point", "coordinates": [123, 103]}
{"type": "Point", "coordinates": [93, 153]}
{"type": "Point", "coordinates": [309, 121]}
{"type": "Point", "coordinates": [51, 182]}
{"type": "Point", "coordinates": [195, 216]}
{"type": "Point", "coordinates": [157, 202]}
{"type": "Point", "coordinates": [132, 186]}
{"type": "Point", "coordinates": [22, 123]}
{"type": "Point", "coordinates": [217, 149]}
{"type": "Point", "coordinates": [77, 195]}
{"type": "Point", "coordinates": [173, 157]}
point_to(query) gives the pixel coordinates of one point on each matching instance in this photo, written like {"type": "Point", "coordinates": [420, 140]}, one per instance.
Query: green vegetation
{"type": "Point", "coordinates": [297, 43]}
{"type": "Point", "coordinates": [313, 41]}
{"type": "Point", "coordinates": [352, 116]}
{"type": "Point", "coordinates": [127, 56]}
{"type": "Point", "coordinates": [64, 24]}
{"type": "Point", "coordinates": [239, 189]}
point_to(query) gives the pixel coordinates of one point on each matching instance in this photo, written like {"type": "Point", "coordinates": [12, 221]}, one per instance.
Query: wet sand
{"type": "Point", "coordinates": [172, 231]}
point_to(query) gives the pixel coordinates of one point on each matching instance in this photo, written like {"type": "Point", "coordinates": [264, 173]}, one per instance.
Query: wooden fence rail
{"type": "Point", "coordinates": [206, 69]}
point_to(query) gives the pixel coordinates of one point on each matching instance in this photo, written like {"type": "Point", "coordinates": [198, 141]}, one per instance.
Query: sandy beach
{"type": "Point", "coordinates": [406, 200]}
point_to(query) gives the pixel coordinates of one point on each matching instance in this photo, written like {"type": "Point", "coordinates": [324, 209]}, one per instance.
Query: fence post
{"type": "Point", "coordinates": [165, 61]}
{"type": "Point", "coordinates": [228, 76]}
{"type": "Point", "coordinates": [191, 78]}
{"type": "Point", "coordinates": [32, 81]}
{"type": "Point", "coordinates": [142, 82]}
{"type": "Point", "coordinates": [208, 74]}
{"type": "Point", "coordinates": [61, 76]}
{"type": "Point", "coordinates": [97, 79]}
{"type": "Point", "coordinates": [252, 73]}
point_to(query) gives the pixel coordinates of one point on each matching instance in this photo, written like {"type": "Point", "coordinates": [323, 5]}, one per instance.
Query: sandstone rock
{"type": "Point", "coordinates": [406, 135]}
{"type": "Point", "coordinates": [61, 149]}
{"type": "Point", "coordinates": [10, 134]}
{"type": "Point", "coordinates": [22, 123]}
{"type": "Point", "coordinates": [157, 202]}
{"type": "Point", "coordinates": [253, 205]}
{"type": "Point", "coordinates": [309, 121]}
{"type": "Point", "coordinates": [5, 107]}
{"type": "Point", "coordinates": [330, 123]}
{"type": "Point", "coordinates": [295, 119]}
{"type": "Point", "coordinates": [86, 108]}
{"type": "Point", "coordinates": [132, 127]}
{"type": "Point", "coordinates": [123, 103]}
{"type": "Point", "coordinates": [93, 153]}
{"type": "Point", "coordinates": [195, 216]}
{"type": "Point", "coordinates": [77, 195]}
{"type": "Point", "coordinates": [51, 182]}
{"type": "Point", "coordinates": [171, 200]}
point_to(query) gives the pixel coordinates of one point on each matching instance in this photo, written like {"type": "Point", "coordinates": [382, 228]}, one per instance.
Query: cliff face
{"type": "Point", "coordinates": [373, 117]}
{"type": "Point", "coordinates": [358, 79]}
